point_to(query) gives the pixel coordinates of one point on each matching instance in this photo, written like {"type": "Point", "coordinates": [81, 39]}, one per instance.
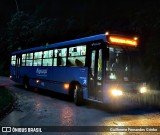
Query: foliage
{"type": "Point", "coordinates": [19, 31]}
{"type": "Point", "coordinates": [48, 21]}
{"type": "Point", "coordinates": [5, 98]}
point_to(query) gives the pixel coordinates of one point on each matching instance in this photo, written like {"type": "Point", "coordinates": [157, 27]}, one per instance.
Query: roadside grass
{"type": "Point", "coordinates": [6, 98]}
{"type": "Point", "coordinates": [4, 73]}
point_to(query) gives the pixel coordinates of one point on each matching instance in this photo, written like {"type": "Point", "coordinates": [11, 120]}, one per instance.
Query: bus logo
{"type": "Point", "coordinates": [41, 72]}
{"type": "Point", "coordinates": [96, 44]}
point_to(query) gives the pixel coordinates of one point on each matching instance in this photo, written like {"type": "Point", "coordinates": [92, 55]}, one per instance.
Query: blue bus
{"type": "Point", "coordinates": [99, 68]}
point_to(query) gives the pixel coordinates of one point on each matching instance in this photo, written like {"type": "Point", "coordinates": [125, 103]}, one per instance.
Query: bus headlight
{"type": "Point", "coordinates": [116, 92]}
{"type": "Point", "coordinates": [143, 90]}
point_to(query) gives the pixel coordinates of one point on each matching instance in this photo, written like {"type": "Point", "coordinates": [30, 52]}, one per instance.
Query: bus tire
{"type": "Point", "coordinates": [26, 82]}
{"type": "Point", "coordinates": [78, 95]}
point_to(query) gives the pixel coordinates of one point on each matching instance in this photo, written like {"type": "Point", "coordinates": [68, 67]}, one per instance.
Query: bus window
{"type": "Point", "coordinates": [77, 56]}
{"type": "Point", "coordinates": [117, 66]}
{"type": "Point", "coordinates": [77, 50]}
{"type": "Point", "coordinates": [38, 55]}
{"type": "Point", "coordinates": [99, 77]}
{"type": "Point", "coordinates": [29, 56]}
{"type": "Point", "coordinates": [76, 61]}
{"type": "Point", "coordinates": [48, 54]}
{"type": "Point", "coordinates": [37, 58]}
{"type": "Point", "coordinates": [29, 59]}
{"type": "Point", "coordinates": [60, 57]}
{"type": "Point", "coordinates": [47, 58]}
{"type": "Point", "coordinates": [47, 62]}
{"type": "Point", "coordinates": [55, 62]}
{"type": "Point", "coordinates": [29, 62]}
{"type": "Point", "coordinates": [37, 62]}
{"type": "Point", "coordinates": [23, 59]}
{"type": "Point", "coordinates": [13, 60]}
{"type": "Point", "coordinates": [93, 63]}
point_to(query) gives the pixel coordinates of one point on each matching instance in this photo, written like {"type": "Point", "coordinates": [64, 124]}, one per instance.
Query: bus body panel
{"type": "Point", "coordinates": [53, 78]}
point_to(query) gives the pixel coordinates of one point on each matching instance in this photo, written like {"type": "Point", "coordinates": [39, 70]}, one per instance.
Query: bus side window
{"type": "Point", "coordinates": [78, 63]}
{"type": "Point", "coordinates": [77, 56]}
{"type": "Point", "coordinates": [69, 63]}
{"type": "Point", "coordinates": [60, 57]}
{"type": "Point", "coordinates": [47, 58]}
{"type": "Point", "coordinates": [29, 59]}
{"type": "Point", "coordinates": [13, 60]}
{"type": "Point", "coordinates": [37, 58]}
{"type": "Point", "coordinates": [23, 59]}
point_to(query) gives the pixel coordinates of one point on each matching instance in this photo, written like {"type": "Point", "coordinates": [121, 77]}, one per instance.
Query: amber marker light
{"type": "Point", "coordinates": [135, 38]}
{"type": "Point", "coordinates": [107, 33]}
{"type": "Point", "coordinates": [66, 86]}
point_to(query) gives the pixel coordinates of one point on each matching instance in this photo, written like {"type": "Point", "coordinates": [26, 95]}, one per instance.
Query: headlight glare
{"type": "Point", "coordinates": [143, 90]}
{"type": "Point", "coordinates": [116, 92]}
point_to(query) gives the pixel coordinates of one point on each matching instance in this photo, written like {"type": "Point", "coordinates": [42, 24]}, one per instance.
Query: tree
{"type": "Point", "coordinates": [19, 31]}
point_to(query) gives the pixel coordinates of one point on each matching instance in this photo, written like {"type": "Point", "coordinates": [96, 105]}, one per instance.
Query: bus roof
{"type": "Point", "coordinates": [65, 43]}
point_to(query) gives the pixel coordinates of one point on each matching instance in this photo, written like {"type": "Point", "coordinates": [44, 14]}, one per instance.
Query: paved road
{"type": "Point", "coordinates": [36, 108]}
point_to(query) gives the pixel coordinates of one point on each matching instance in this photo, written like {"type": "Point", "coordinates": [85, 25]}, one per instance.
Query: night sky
{"type": "Point", "coordinates": [31, 23]}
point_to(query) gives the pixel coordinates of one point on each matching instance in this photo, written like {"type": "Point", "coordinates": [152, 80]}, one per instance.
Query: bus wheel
{"type": "Point", "coordinates": [78, 95]}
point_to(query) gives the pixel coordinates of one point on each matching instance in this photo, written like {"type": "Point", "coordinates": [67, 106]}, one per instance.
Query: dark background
{"type": "Point", "coordinates": [31, 23]}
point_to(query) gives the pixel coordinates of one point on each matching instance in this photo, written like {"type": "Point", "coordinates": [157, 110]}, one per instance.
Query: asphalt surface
{"type": "Point", "coordinates": [40, 108]}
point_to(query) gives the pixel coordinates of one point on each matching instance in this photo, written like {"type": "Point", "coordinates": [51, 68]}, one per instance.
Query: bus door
{"type": "Point", "coordinates": [18, 64]}
{"type": "Point", "coordinates": [95, 74]}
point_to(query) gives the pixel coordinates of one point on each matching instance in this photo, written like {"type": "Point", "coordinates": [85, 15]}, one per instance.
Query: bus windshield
{"type": "Point", "coordinates": [123, 65]}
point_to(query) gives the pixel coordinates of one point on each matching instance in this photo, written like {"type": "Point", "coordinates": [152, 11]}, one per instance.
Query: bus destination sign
{"type": "Point", "coordinates": [123, 41]}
